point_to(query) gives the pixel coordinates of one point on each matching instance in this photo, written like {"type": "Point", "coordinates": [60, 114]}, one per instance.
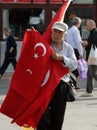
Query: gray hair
{"type": "Point", "coordinates": [7, 30]}
{"type": "Point", "coordinates": [76, 20]}
{"type": "Point", "coordinates": [92, 22]}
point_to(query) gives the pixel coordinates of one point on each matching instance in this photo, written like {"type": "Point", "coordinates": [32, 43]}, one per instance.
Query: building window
{"type": "Point", "coordinates": [16, 1]}
{"type": "Point", "coordinates": [34, 1]}
{"type": "Point", "coordinates": [56, 1]}
{"type": "Point", "coordinates": [39, 1]}
{"type": "Point", "coordinates": [23, 1]}
{"type": "Point", "coordinates": [20, 19]}
{"type": "Point", "coordinates": [7, 1]}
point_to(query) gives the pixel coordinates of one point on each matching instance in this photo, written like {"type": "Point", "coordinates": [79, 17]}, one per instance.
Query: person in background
{"type": "Point", "coordinates": [10, 51]}
{"type": "Point", "coordinates": [73, 37]}
{"type": "Point", "coordinates": [63, 52]}
{"type": "Point", "coordinates": [92, 69]}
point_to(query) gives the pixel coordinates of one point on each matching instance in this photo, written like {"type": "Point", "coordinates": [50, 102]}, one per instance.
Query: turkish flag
{"type": "Point", "coordinates": [33, 83]}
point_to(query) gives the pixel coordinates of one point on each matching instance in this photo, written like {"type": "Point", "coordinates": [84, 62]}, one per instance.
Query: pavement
{"type": "Point", "coordinates": [80, 115]}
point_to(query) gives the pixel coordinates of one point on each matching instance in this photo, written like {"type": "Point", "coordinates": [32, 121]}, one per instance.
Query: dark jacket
{"type": "Point", "coordinates": [10, 42]}
{"type": "Point", "coordinates": [92, 39]}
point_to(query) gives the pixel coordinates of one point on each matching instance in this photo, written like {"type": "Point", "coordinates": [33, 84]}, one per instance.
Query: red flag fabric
{"type": "Point", "coordinates": [58, 17]}
{"type": "Point", "coordinates": [34, 81]}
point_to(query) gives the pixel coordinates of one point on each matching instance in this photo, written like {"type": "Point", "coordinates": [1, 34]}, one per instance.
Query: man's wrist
{"type": "Point", "coordinates": [61, 58]}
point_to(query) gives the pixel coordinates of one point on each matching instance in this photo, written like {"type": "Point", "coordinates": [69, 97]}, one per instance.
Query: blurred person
{"type": "Point", "coordinates": [73, 37]}
{"type": "Point", "coordinates": [92, 69]}
{"type": "Point", "coordinates": [10, 51]}
{"type": "Point", "coordinates": [63, 52]}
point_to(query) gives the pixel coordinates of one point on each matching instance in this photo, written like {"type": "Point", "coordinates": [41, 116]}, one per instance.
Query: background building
{"type": "Point", "coordinates": [21, 14]}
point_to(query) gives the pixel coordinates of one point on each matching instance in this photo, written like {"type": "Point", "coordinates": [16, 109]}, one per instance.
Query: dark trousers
{"type": "Point", "coordinates": [91, 75]}
{"type": "Point", "coordinates": [6, 63]}
{"type": "Point", "coordinates": [54, 114]}
{"type": "Point", "coordinates": [75, 72]}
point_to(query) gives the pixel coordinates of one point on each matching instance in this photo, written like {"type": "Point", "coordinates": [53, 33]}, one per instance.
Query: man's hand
{"type": "Point", "coordinates": [85, 43]}
{"type": "Point", "coordinates": [80, 56]}
{"type": "Point", "coordinates": [11, 49]}
{"type": "Point", "coordinates": [56, 56]}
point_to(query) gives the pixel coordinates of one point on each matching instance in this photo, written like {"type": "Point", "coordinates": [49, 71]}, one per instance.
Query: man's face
{"type": "Point", "coordinates": [6, 33]}
{"type": "Point", "coordinates": [79, 24]}
{"type": "Point", "coordinates": [88, 26]}
{"type": "Point", "coordinates": [57, 36]}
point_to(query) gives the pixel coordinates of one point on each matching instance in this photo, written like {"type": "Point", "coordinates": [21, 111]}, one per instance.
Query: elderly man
{"type": "Point", "coordinates": [73, 37]}
{"type": "Point", "coordinates": [63, 52]}
{"type": "Point", "coordinates": [92, 69]}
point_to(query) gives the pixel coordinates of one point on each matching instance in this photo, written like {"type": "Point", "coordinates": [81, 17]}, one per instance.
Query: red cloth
{"type": "Point", "coordinates": [58, 17]}
{"type": "Point", "coordinates": [34, 81]}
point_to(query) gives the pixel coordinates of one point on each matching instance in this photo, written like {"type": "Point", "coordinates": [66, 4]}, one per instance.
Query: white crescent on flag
{"type": "Point", "coordinates": [46, 78]}
{"type": "Point", "coordinates": [40, 45]}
